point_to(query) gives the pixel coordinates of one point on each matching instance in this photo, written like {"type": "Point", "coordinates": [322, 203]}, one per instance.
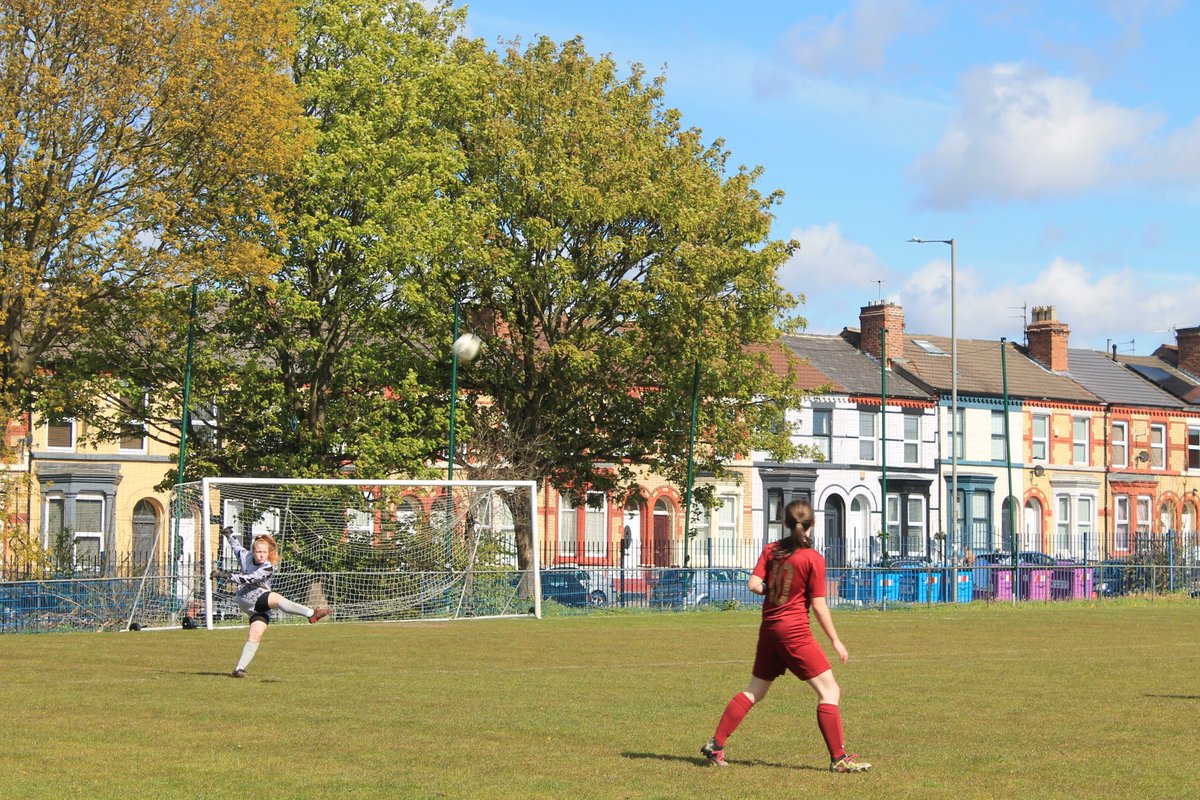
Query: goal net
{"type": "Point", "coordinates": [370, 550]}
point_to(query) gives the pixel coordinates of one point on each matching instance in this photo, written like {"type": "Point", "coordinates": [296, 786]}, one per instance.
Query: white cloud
{"type": "Point", "coordinates": [827, 261]}
{"type": "Point", "coordinates": [851, 43]}
{"type": "Point", "coordinates": [1095, 307]}
{"type": "Point", "coordinates": [1022, 134]}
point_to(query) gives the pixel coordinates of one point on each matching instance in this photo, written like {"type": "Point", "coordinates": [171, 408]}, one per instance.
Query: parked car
{"type": "Point", "coordinates": [1025, 558]}
{"type": "Point", "coordinates": [599, 583]}
{"type": "Point", "coordinates": [563, 586]}
{"type": "Point", "coordinates": [1119, 576]}
{"type": "Point", "coordinates": [698, 587]}
{"type": "Point", "coordinates": [904, 562]}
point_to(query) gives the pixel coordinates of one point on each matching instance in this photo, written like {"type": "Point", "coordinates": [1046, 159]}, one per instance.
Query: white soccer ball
{"type": "Point", "coordinates": [466, 347]}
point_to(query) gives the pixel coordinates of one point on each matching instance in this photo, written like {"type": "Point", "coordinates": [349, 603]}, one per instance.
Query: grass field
{"type": "Point", "coordinates": [1070, 701]}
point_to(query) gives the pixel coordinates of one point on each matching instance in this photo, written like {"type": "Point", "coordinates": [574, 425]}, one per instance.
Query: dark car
{"type": "Point", "coordinates": [904, 562]}
{"type": "Point", "coordinates": [564, 586]}
{"type": "Point", "coordinates": [1119, 576]}
{"type": "Point", "coordinates": [681, 588]}
{"type": "Point", "coordinates": [1025, 558]}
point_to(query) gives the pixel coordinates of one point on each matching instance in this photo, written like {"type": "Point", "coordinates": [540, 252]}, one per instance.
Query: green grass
{"type": "Point", "coordinates": [1047, 701]}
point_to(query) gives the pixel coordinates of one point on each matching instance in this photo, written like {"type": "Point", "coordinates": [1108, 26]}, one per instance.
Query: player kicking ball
{"type": "Point", "coordinates": [791, 575]}
{"type": "Point", "coordinates": [254, 594]}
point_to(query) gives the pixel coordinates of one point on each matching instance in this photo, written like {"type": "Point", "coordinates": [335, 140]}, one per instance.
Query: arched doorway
{"type": "Point", "coordinates": [145, 533]}
{"type": "Point", "coordinates": [858, 529]}
{"type": "Point", "coordinates": [835, 532]}
{"type": "Point", "coordinates": [632, 528]}
{"type": "Point", "coordinates": [662, 533]}
{"type": "Point", "coordinates": [1033, 525]}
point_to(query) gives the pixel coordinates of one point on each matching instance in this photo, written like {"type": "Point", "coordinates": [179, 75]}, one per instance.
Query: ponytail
{"type": "Point", "coordinates": [798, 520]}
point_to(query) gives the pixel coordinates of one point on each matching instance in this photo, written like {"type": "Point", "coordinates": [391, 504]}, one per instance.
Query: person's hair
{"type": "Point", "coordinates": [272, 548]}
{"type": "Point", "coordinates": [798, 521]}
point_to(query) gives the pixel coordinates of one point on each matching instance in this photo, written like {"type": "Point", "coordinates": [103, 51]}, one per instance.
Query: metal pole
{"type": "Point", "coordinates": [453, 394]}
{"type": "Point", "coordinates": [883, 443]}
{"type": "Point", "coordinates": [1012, 500]}
{"type": "Point", "coordinates": [953, 380]}
{"type": "Point", "coordinates": [185, 422]}
{"type": "Point", "coordinates": [953, 393]}
{"type": "Point", "coordinates": [687, 502]}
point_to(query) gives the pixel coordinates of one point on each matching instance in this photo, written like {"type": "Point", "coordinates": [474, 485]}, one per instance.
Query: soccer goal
{"type": "Point", "coordinates": [369, 549]}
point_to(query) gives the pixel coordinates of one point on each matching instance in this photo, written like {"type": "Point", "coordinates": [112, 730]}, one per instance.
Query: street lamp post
{"type": "Point", "coordinates": [953, 385]}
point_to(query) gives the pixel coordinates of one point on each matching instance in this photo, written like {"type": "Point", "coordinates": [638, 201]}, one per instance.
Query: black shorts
{"type": "Point", "coordinates": [262, 610]}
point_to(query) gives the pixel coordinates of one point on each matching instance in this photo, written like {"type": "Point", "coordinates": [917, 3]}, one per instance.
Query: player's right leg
{"type": "Point", "coordinates": [735, 711]}
{"type": "Point", "coordinates": [276, 600]}
{"type": "Point", "coordinates": [829, 720]}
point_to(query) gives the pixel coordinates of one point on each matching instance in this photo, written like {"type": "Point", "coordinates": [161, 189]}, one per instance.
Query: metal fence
{"type": "Point", "coordinates": [51, 601]}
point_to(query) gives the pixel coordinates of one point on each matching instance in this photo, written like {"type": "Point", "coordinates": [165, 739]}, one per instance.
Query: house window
{"type": "Point", "coordinates": [1193, 448]}
{"type": "Point", "coordinates": [1084, 524]}
{"type": "Point", "coordinates": [1120, 444]}
{"type": "Point", "coordinates": [893, 524]}
{"type": "Point", "coordinates": [133, 437]}
{"type": "Point", "coordinates": [358, 526]}
{"type": "Point", "coordinates": [1041, 437]}
{"type": "Point", "coordinates": [980, 508]}
{"type": "Point", "coordinates": [1079, 441]}
{"type": "Point", "coordinates": [1062, 525]}
{"type": "Point", "coordinates": [595, 539]}
{"type": "Point", "coordinates": [823, 432]}
{"type": "Point", "coordinates": [85, 539]}
{"type": "Point", "coordinates": [1121, 523]}
{"type": "Point", "coordinates": [133, 432]}
{"type": "Point", "coordinates": [60, 435]}
{"type": "Point", "coordinates": [408, 512]}
{"type": "Point", "coordinates": [1143, 519]}
{"type": "Point", "coordinates": [567, 533]}
{"type": "Point", "coordinates": [914, 527]}
{"type": "Point", "coordinates": [912, 438]}
{"type": "Point", "coordinates": [999, 452]}
{"type": "Point", "coordinates": [722, 528]}
{"type": "Point", "coordinates": [589, 519]}
{"type": "Point", "coordinates": [774, 514]}
{"type": "Point", "coordinates": [1158, 446]}
{"type": "Point", "coordinates": [866, 435]}
{"type": "Point", "coordinates": [960, 420]}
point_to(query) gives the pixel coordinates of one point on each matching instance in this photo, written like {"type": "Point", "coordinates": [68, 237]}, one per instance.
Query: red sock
{"type": "Point", "coordinates": [829, 720]}
{"type": "Point", "coordinates": [735, 712]}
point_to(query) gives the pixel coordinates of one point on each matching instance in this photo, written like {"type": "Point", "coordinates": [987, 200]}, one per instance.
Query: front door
{"type": "Point", "coordinates": [632, 522]}
{"type": "Point", "coordinates": [835, 533]}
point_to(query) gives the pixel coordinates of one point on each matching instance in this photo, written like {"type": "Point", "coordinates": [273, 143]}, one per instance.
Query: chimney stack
{"type": "Point", "coordinates": [1188, 340]}
{"type": "Point", "coordinates": [873, 318]}
{"type": "Point", "coordinates": [1048, 339]}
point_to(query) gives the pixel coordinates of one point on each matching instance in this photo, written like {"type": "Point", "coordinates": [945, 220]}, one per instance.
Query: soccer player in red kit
{"type": "Point", "coordinates": [791, 575]}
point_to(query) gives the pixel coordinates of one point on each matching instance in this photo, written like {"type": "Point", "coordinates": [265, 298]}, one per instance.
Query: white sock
{"type": "Point", "coordinates": [247, 654]}
{"type": "Point", "coordinates": [294, 608]}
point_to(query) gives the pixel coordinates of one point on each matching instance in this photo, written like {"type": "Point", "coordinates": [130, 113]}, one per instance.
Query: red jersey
{"type": "Point", "coordinates": [791, 584]}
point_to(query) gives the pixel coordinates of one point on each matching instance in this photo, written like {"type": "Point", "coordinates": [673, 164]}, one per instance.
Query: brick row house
{"type": "Point", "coordinates": [1101, 452]}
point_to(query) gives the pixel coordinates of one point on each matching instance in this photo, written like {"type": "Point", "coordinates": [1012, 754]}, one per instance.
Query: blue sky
{"type": "Point", "coordinates": [1057, 142]}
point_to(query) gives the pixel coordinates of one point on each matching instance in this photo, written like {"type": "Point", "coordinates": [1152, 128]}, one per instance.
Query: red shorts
{"type": "Point", "coordinates": [781, 650]}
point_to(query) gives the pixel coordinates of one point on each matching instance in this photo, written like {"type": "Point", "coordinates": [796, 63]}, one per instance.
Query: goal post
{"type": "Point", "coordinates": [376, 549]}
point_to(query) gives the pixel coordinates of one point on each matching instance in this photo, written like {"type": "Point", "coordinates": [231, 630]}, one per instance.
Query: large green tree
{"type": "Point", "coordinates": [623, 256]}
{"type": "Point", "coordinates": [137, 141]}
{"type": "Point", "coordinates": [325, 360]}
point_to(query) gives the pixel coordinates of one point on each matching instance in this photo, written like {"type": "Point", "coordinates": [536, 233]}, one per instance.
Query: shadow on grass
{"type": "Point", "coordinates": [1175, 696]}
{"type": "Point", "coordinates": [703, 762]}
{"type": "Point", "coordinates": [222, 675]}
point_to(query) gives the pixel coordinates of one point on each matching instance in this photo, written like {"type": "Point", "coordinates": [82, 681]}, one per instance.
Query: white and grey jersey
{"type": "Point", "coordinates": [253, 580]}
